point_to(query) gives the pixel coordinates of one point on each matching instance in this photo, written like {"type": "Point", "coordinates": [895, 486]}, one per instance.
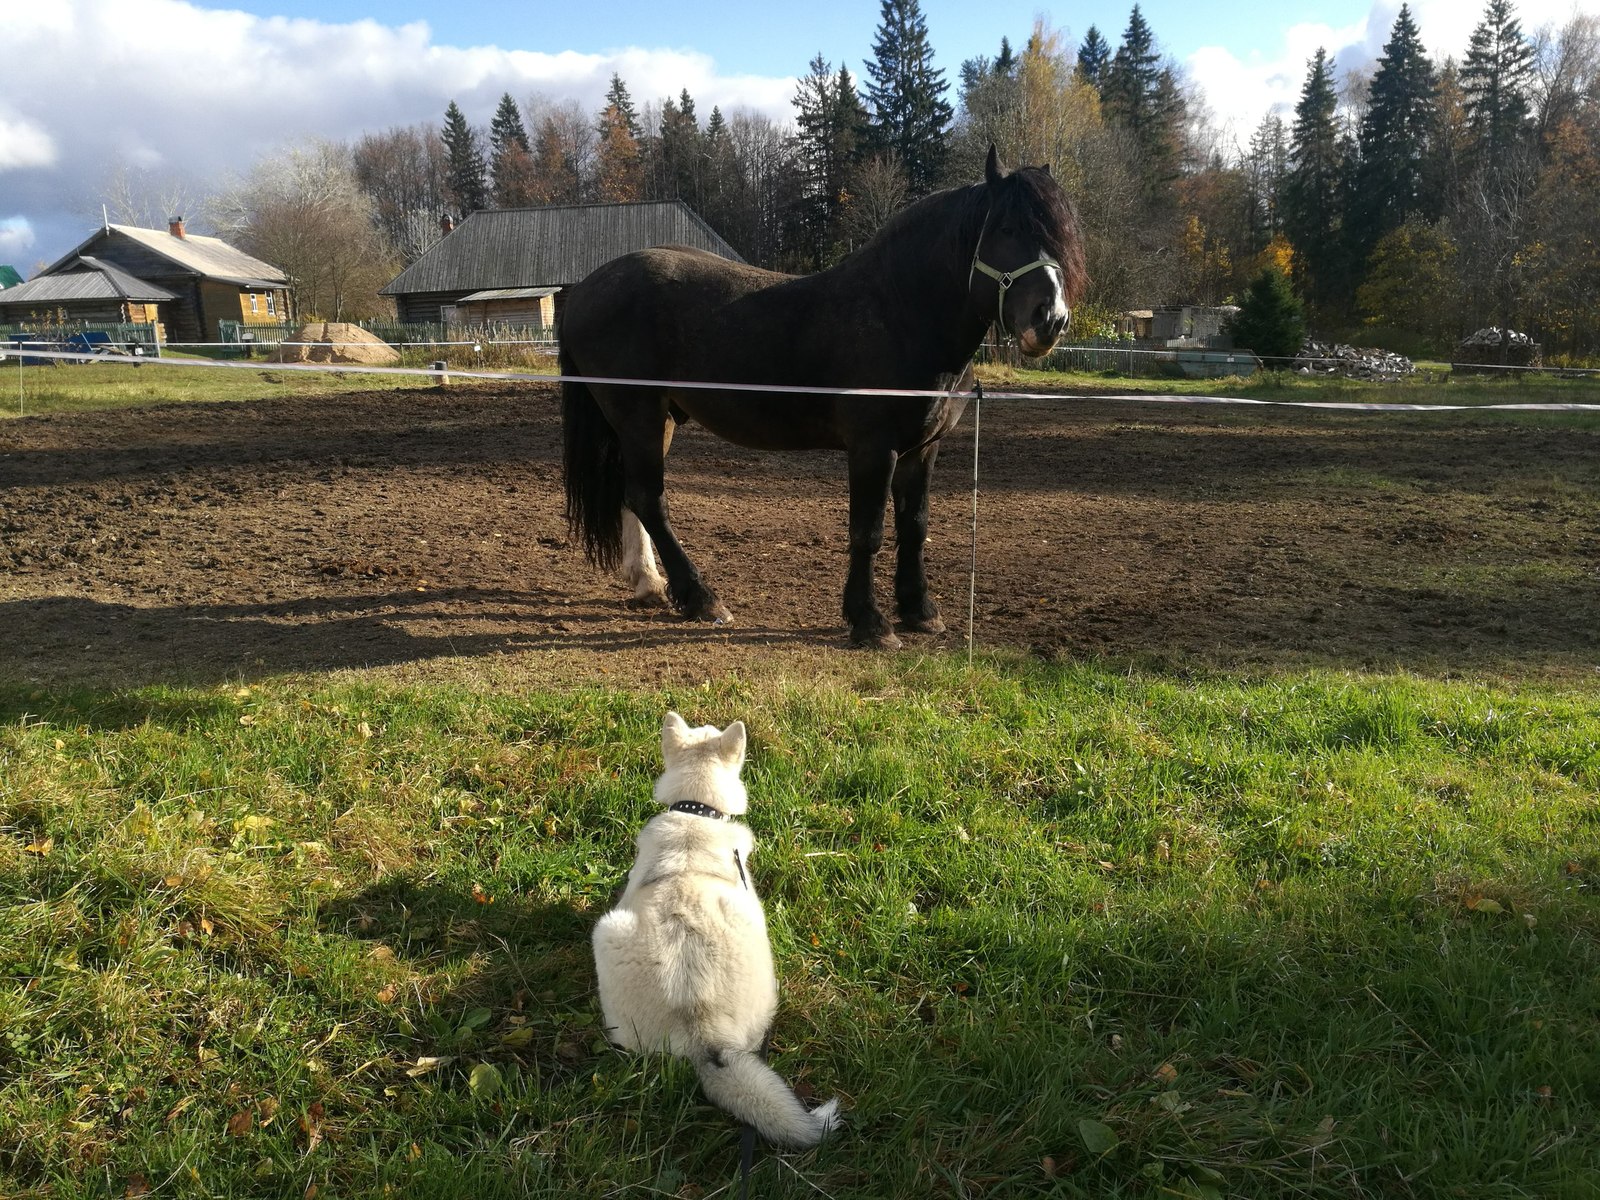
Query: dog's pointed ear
{"type": "Point", "coordinates": [732, 743]}
{"type": "Point", "coordinates": [674, 729]}
{"type": "Point", "coordinates": [993, 172]}
{"type": "Point", "coordinates": [1045, 168]}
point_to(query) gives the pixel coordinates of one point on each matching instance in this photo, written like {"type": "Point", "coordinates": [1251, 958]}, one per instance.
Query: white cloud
{"type": "Point", "coordinates": [23, 143]}
{"type": "Point", "coordinates": [16, 237]}
{"type": "Point", "coordinates": [1241, 92]}
{"type": "Point", "coordinates": [192, 92]}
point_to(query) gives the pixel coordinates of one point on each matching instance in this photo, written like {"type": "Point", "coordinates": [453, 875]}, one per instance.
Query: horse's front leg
{"type": "Point", "coordinates": [915, 607]}
{"type": "Point", "coordinates": [870, 471]}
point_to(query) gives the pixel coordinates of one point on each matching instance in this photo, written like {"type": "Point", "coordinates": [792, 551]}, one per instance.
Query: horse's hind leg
{"type": "Point", "coordinates": [915, 607]}
{"type": "Point", "coordinates": [639, 565]}
{"type": "Point", "coordinates": [644, 430]}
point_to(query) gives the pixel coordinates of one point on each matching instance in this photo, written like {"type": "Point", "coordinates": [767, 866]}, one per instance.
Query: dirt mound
{"type": "Point", "coordinates": [336, 342]}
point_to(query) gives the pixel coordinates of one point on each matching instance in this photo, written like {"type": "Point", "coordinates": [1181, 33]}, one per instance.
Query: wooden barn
{"type": "Point", "coordinates": [186, 283]}
{"type": "Point", "coordinates": [84, 289]}
{"type": "Point", "coordinates": [509, 265]}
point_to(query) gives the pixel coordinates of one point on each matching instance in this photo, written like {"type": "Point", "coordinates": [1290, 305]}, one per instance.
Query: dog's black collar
{"type": "Point", "coordinates": [695, 809]}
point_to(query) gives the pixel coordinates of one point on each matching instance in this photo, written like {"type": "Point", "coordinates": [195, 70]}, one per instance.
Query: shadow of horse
{"type": "Point", "coordinates": [67, 638]}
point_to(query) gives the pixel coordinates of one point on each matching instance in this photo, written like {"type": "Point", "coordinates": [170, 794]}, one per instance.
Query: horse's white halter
{"type": "Point", "coordinates": [1004, 278]}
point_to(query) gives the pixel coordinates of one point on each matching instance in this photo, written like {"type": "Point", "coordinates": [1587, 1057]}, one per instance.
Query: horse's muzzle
{"type": "Point", "coordinates": [1042, 333]}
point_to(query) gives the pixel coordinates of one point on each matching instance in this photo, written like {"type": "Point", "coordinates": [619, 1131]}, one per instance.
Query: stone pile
{"type": "Point", "coordinates": [1496, 347]}
{"type": "Point", "coordinates": [1333, 358]}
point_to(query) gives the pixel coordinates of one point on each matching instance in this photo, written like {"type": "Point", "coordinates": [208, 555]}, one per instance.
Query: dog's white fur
{"type": "Point", "coordinates": [683, 959]}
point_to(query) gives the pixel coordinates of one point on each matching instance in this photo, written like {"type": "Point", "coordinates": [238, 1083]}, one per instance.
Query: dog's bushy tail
{"type": "Point", "coordinates": [740, 1083]}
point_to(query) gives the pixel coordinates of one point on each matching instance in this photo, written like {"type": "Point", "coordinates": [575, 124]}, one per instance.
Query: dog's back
{"type": "Point", "coordinates": [683, 960]}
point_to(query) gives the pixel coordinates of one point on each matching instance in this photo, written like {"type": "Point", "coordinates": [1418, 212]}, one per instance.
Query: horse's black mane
{"type": "Point", "coordinates": [1028, 201]}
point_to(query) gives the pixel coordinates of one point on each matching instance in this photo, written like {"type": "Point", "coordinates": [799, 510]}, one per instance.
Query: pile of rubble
{"type": "Point", "coordinates": [1331, 358]}
{"type": "Point", "coordinates": [1496, 347]}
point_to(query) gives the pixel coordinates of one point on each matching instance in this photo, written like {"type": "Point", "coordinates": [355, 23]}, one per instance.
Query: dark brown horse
{"type": "Point", "coordinates": [906, 311]}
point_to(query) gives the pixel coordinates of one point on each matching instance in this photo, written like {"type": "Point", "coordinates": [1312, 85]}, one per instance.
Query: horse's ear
{"type": "Point", "coordinates": [992, 171]}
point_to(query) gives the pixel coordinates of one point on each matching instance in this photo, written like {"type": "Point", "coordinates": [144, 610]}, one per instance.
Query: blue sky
{"type": "Point", "coordinates": [191, 93]}
{"type": "Point", "coordinates": [780, 39]}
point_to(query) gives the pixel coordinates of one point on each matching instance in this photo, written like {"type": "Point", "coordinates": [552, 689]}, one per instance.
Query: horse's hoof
{"type": "Point", "coordinates": [716, 615]}
{"type": "Point", "coordinates": [933, 624]}
{"type": "Point", "coordinates": [875, 641]}
{"type": "Point", "coordinates": [649, 600]}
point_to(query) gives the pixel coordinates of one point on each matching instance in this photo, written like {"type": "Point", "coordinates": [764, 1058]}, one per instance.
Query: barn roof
{"type": "Point", "coordinates": [84, 278]}
{"type": "Point", "coordinates": [192, 254]}
{"type": "Point", "coordinates": [550, 247]}
{"type": "Point", "coordinates": [528, 293]}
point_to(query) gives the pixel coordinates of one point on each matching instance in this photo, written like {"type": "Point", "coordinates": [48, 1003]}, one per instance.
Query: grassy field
{"type": "Point", "coordinates": [28, 390]}
{"type": "Point", "coordinates": [1433, 384]}
{"type": "Point", "coordinates": [73, 387]}
{"type": "Point", "coordinates": [1078, 929]}
{"type": "Point", "coordinates": [1050, 930]}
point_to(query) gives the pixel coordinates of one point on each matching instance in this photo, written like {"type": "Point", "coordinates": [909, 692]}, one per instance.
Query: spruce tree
{"type": "Point", "coordinates": [1005, 64]}
{"type": "Point", "coordinates": [1271, 320]}
{"type": "Point", "coordinates": [1495, 78]}
{"type": "Point", "coordinates": [467, 183]}
{"type": "Point", "coordinates": [1266, 165]}
{"type": "Point", "coordinates": [510, 160]}
{"type": "Point", "coordinates": [1142, 97]}
{"type": "Point", "coordinates": [1312, 186]}
{"type": "Point", "coordinates": [829, 122]}
{"type": "Point", "coordinates": [910, 114]}
{"type": "Point", "coordinates": [617, 99]}
{"type": "Point", "coordinates": [1094, 58]}
{"type": "Point", "coordinates": [619, 174]}
{"type": "Point", "coordinates": [1396, 139]}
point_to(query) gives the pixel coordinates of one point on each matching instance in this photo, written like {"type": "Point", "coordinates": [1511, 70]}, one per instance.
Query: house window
{"type": "Point", "coordinates": [272, 307]}
{"type": "Point", "coordinates": [253, 299]}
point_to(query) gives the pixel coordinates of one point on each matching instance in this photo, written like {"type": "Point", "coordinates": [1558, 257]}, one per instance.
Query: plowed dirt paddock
{"type": "Point", "coordinates": [218, 541]}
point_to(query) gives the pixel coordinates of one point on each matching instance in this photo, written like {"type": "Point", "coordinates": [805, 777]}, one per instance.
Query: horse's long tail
{"type": "Point", "coordinates": [592, 463]}
{"type": "Point", "coordinates": [739, 1083]}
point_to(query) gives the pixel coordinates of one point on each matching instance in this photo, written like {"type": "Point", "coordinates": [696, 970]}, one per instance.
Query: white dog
{"type": "Point", "coordinates": [683, 958]}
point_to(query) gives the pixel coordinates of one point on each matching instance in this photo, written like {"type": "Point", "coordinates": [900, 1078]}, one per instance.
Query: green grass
{"type": "Point", "coordinates": [87, 387]}
{"type": "Point", "coordinates": [82, 388]}
{"type": "Point", "coordinates": [1051, 930]}
{"type": "Point", "coordinates": [1432, 385]}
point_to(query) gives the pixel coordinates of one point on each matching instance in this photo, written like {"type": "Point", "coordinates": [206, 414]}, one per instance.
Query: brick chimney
{"type": "Point", "coordinates": [175, 227]}
{"type": "Point", "coordinates": [446, 223]}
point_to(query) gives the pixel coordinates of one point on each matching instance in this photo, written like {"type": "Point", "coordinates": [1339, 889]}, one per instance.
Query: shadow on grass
{"type": "Point", "coordinates": [522, 974]}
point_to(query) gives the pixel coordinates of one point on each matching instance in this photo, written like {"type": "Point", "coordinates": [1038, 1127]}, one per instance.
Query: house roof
{"type": "Point", "coordinates": [9, 276]}
{"type": "Point", "coordinates": [84, 278]}
{"type": "Point", "coordinates": [556, 246]}
{"type": "Point", "coordinates": [192, 254]}
{"type": "Point", "coordinates": [527, 293]}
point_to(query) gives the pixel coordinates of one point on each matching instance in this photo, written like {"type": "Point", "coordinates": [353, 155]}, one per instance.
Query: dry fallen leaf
{"type": "Point", "coordinates": [311, 1125]}
{"type": "Point", "coordinates": [41, 846]}
{"type": "Point", "coordinates": [267, 1110]}
{"type": "Point", "coordinates": [242, 1122]}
